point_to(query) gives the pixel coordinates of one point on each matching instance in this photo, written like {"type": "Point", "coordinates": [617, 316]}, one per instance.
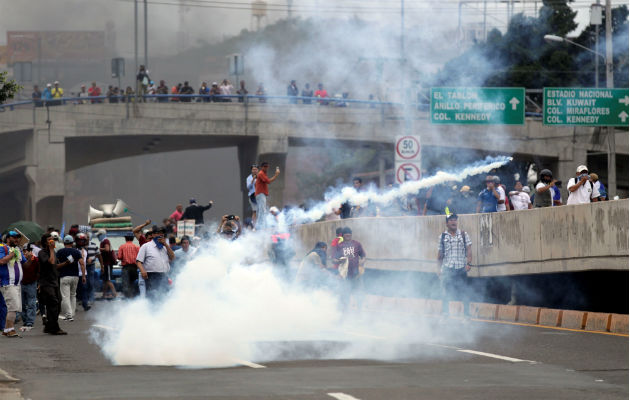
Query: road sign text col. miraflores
{"type": "Point", "coordinates": [585, 106]}
{"type": "Point", "coordinates": [480, 106]}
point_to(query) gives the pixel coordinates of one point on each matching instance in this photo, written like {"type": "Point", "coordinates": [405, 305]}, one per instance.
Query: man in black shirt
{"type": "Point", "coordinates": [195, 211]}
{"type": "Point", "coordinates": [49, 294]}
{"type": "Point", "coordinates": [69, 277]}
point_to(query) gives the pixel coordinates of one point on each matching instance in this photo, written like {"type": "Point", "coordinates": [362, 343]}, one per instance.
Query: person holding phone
{"type": "Point", "coordinates": [581, 188]}
{"type": "Point", "coordinates": [49, 295]}
{"type": "Point", "coordinates": [262, 192]}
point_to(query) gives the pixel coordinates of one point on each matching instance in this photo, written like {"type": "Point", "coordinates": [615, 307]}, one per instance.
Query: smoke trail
{"type": "Point", "coordinates": [349, 194]}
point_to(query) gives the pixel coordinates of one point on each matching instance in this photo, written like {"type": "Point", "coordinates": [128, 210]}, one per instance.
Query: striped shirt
{"type": "Point", "coordinates": [453, 249]}
{"type": "Point", "coordinates": [92, 253]}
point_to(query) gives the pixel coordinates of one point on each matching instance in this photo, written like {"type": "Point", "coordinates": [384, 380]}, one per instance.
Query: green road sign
{"type": "Point", "coordinates": [479, 106]}
{"type": "Point", "coordinates": [585, 106]}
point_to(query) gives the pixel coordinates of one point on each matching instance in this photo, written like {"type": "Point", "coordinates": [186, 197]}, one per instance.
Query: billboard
{"type": "Point", "coordinates": [55, 46]}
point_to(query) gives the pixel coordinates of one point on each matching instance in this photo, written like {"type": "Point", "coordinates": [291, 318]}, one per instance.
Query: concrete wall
{"type": "Point", "coordinates": [560, 239]}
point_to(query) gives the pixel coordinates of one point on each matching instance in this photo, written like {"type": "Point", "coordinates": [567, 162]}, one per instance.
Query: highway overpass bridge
{"type": "Point", "coordinates": [40, 144]}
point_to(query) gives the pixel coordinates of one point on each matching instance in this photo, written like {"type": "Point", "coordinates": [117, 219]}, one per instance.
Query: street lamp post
{"type": "Point", "coordinates": [610, 131]}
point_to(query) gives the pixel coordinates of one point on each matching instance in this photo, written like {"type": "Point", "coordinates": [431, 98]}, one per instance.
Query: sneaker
{"type": "Point", "coordinates": [11, 333]}
{"type": "Point", "coordinates": [26, 328]}
{"type": "Point", "coordinates": [61, 317]}
{"type": "Point", "coordinates": [87, 308]}
{"type": "Point", "coordinates": [59, 332]}
{"type": "Point", "coordinates": [70, 319]}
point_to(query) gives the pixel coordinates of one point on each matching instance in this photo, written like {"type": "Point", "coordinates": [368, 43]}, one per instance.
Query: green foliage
{"type": "Point", "coordinates": [8, 88]}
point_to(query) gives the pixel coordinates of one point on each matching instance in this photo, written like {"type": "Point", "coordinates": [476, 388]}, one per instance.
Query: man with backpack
{"type": "Point", "coordinates": [581, 189]}
{"type": "Point", "coordinates": [454, 262]}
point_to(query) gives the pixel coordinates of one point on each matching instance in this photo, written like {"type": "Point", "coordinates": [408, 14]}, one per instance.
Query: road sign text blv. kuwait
{"type": "Point", "coordinates": [585, 106]}
{"type": "Point", "coordinates": [479, 106]}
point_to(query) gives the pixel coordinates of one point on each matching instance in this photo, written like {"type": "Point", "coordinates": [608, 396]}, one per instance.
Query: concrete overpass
{"type": "Point", "coordinates": [40, 144]}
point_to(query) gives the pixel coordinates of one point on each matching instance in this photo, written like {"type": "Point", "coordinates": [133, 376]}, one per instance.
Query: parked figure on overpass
{"type": "Point", "coordinates": [581, 189]}
{"type": "Point", "coordinates": [543, 196]}
{"type": "Point", "coordinates": [454, 262]}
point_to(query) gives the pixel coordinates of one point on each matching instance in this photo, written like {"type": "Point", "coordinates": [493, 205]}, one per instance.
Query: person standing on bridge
{"type": "Point", "coordinates": [143, 81]}
{"type": "Point", "coordinates": [262, 192]}
{"type": "Point", "coordinates": [195, 211]}
{"type": "Point", "coordinates": [488, 199]}
{"type": "Point", "coordinates": [581, 189]}
{"type": "Point", "coordinates": [293, 91]}
{"type": "Point", "coordinates": [454, 262]}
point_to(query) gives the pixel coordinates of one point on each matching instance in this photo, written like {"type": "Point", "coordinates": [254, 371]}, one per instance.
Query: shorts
{"type": "Point", "coordinates": [252, 204]}
{"type": "Point", "coordinates": [106, 273]}
{"type": "Point", "coordinates": [12, 297]}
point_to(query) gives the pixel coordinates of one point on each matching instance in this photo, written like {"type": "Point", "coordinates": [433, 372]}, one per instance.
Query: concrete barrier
{"type": "Point", "coordinates": [456, 308]}
{"type": "Point", "coordinates": [545, 240]}
{"type": "Point", "coordinates": [573, 319]}
{"type": "Point", "coordinates": [550, 317]}
{"type": "Point", "coordinates": [619, 323]}
{"type": "Point", "coordinates": [598, 322]}
{"type": "Point", "coordinates": [507, 313]}
{"type": "Point", "coordinates": [484, 311]}
{"type": "Point", "coordinates": [529, 315]}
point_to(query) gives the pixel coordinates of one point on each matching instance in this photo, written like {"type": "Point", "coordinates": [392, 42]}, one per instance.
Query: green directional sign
{"type": "Point", "coordinates": [585, 106]}
{"type": "Point", "coordinates": [478, 106]}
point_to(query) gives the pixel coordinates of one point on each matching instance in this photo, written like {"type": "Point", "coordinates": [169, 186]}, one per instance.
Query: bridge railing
{"type": "Point", "coordinates": [208, 98]}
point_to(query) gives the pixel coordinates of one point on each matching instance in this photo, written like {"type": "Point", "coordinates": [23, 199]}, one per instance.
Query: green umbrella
{"type": "Point", "coordinates": [28, 228]}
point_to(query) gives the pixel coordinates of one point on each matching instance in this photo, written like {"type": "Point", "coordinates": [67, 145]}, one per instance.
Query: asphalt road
{"type": "Point", "coordinates": [504, 362]}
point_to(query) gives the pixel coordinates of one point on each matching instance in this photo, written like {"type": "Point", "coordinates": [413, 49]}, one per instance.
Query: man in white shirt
{"type": "Point", "coordinates": [581, 189]}
{"type": "Point", "coordinates": [153, 261]}
{"type": "Point", "coordinates": [520, 200]}
{"type": "Point", "coordinates": [250, 182]}
{"type": "Point", "coordinates": [501, 204]}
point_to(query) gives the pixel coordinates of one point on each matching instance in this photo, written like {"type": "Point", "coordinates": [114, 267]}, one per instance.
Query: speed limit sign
{"type": "Point", "coordinates": [407, 148]}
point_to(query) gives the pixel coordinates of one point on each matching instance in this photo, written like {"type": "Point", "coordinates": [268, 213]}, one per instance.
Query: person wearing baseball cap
{"type": "Point", "coordinates": [454, 262]}
{"type": "Point", "coordinates": [581, 189]}
{"type": "Point", "coordinates": [73, 266]}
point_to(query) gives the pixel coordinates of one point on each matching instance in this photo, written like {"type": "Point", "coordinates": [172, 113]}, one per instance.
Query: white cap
{"type": "Point", "coordinates": [56, 82]}
{"type": "Point", "coordinates": [274, 210]}
{"type": "Point", "coordinates": [581, 168]}
{"type": "Point", "coordinates": [526, 189]}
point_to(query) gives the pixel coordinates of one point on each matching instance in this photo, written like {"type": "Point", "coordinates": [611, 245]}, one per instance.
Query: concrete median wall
{"type": "Point", "coordinates": [550, 240]}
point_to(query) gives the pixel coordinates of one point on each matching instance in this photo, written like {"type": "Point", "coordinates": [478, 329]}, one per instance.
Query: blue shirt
{"type": "Point", "coordinates": [10, 275]}
{"type": "Point", "coordinates": [488, 201]}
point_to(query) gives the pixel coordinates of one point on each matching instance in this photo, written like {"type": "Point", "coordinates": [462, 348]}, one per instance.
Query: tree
{"type": "Point", "coordinates": [8, 88]}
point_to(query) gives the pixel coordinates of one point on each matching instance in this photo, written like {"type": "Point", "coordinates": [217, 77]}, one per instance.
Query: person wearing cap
{"type": "Point", "coordinates": [352, 252]}
{"type": "Point", "coordinates": [502, 203]}
{"type": "Point", "coordinates": [599, 186]}
{"type": "Point", "coordinates": [195, 211]}
{"type": "Point", "coordinates": [520, 200]}
{"type": "Point", "coordinates": [543, 196]}
{"type": "Point", "coordinates": [454, 261]}
{"type": "Point", "coordinates": [230, 227]}
{"type": "Point", "coordinates": [488, 199]}
{"type": "Point", "coordinates": [581, 189]}
{"type": "Point", "coordinates": [11, 261]}
{"type": "Point", "coordinates": [153, 261]}
{"type": "Point", "coordinates": [70, 260]}
{"type": "Point", "coordinates": [127, 254]}
{"type": "Point", "coordinates": [57, 93]}
{"type": "Point", "coordinates": [108, 255]}
{"type": "Point", "coordinates": [47, 94]}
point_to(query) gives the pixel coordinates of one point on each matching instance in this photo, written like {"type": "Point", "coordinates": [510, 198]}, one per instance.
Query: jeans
{"type": "Point", "coordinates": [454, 283]}
{"type": "Point", "coordinates": [68, 286]}
{"type": "Point", "coordinates": [261, 210]}
{"type": "Point", "coordinates": [90, 282]}
{"type": "Point", "coordinates": [142, 287]}
{"type": "Point", "coordinates": [129, 277]}
{"type": "Point", "coordinates": [83, 293]}
{"type": "Point", "coordinates": [157, 285]}
{"type": "Point", "coordinates": [49, 298]}
{"type": "Point", "coordinates": [29, 304]}
{"type": "Point", "coordinates": [3, 312]}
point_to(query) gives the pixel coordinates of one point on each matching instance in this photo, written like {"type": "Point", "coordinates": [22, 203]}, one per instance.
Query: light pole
{"type": "Point", "coordinates": [610, 131]}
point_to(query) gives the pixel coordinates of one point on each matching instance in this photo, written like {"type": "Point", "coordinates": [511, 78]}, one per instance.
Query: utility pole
{"type": "Point", "coordinates": [485, 9]}
{"type": "Point", "coordinates": [596, 20]}
{"type": "Point", "coordinates": [135, 42]}
{"type": "Point", "coordinates": [146, 37]}
{"type": "Point", "coordinates": [612, 156]}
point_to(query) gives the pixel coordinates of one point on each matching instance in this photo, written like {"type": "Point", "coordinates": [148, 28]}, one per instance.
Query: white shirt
{"type": "Point", "coordinates": [251, 184]}
{"type": "Point", "coordinates": [583, 194]}
{"type": "Point", "coordinates": [520, 200]}
{"type": "Point", "coordinates": [153, 259]}
{"type": "Point", "coordinates": [501, 207]}
{"type": "Point", "coordinates": [84, 257]}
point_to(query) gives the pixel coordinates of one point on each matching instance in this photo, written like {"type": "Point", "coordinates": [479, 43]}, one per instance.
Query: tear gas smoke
{"type": "Point", "coordinates": [229, 304]}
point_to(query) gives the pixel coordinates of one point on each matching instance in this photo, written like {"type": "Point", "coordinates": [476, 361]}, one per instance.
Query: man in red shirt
{"type": "Point", "coordinates": [321, 93]}
{"type": "Point", "coordinates": [94, 91]}
{"type": "Point", "coordinates": [127, 255]}
{"type": "Point", "coordinates": [177, 214]}
{"type": "Point", "coordinates": [262, 192]}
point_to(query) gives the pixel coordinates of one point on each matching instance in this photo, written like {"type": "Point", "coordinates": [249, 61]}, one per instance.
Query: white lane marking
{"type": "Point", "coordinates": [342, 396]}
{"type": "Point", "coordinates": [249, 364]}
{"type": "Point", "coordinates": [7, 376]}
{"type": "Point", "coordinates": [105, 327]}
{"type": "Point", "coordinates": [481, 353]}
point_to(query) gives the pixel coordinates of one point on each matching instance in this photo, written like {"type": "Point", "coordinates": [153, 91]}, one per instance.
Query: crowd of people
{"type": "Point", "coordinates": [51, 275]}
{"type": "Point", "coordinates": [53, 94]}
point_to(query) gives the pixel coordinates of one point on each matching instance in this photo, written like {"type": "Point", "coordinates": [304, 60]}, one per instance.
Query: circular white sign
{"type": "Point", "coordinates": [407, 172]}
{"type": "Point", "coordinates": [407, 147]}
